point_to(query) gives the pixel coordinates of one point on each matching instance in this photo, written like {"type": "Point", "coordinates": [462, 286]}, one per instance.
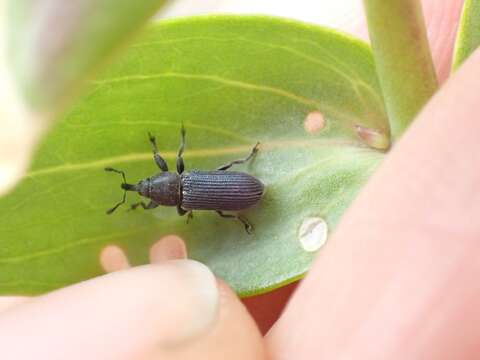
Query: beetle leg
{"type": "Point", "coordinates": [180, 165]}
{"type": "Point", "coordinates": [161, 163]}
{"type": "Point", "coordinates": [182, 212]}
{"type": "Point", "coordinates": [150, 205]}
{"type": "Point", "coordinates": [248, 226]}
{"type": "Point", "coordinates": [240, 161]}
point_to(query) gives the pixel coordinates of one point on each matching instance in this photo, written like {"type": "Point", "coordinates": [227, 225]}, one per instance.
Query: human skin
{"type": "Point", "coordinates": [397, 280]}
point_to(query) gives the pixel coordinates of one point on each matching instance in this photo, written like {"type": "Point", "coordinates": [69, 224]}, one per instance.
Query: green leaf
{"type": "Point", "coordinates": [402, 57]}
{"type": "Point", "coordinates": [53, 45]}
{"type": "Point", "coordinates": [232, 81]}
{"type": "Point", "coordinates": [468, 35]}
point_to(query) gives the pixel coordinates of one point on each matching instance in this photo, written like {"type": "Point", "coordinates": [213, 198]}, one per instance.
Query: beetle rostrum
{"type": "Point", "coordinates": [218, 190]}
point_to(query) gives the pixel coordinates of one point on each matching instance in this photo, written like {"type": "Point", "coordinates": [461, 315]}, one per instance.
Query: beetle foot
{"type": "Point", "coordinates": [255, 148]}
{"type": "Point", "coordinates": [248, 226]}
{"type": "Point", "coordinates": [151, 137]}
{"type": "Point", "coordinates": [133, 207]}
{"type": "Point", "coordinates": [189, 216]}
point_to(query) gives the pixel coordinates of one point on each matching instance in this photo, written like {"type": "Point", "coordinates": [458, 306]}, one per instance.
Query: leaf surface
{"type": "Point", "coordinates": [232, 81]}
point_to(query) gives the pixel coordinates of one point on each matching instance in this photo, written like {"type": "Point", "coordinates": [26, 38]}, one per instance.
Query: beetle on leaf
{"type": "Point", "coordinates": [218, 190]}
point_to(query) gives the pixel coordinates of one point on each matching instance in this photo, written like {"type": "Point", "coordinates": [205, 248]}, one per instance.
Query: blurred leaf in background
{"type": "Point", "coordinates": [48, 48]}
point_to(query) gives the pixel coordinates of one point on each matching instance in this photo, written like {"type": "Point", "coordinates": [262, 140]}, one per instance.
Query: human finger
{"type": "Point", "coordinates": [398, 279]}
{"type": "Point", "coordinates": [138, 313]}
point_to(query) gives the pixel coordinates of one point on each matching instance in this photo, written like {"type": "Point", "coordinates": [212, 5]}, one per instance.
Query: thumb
{"type": "Point", "coordinates": [174, 310]}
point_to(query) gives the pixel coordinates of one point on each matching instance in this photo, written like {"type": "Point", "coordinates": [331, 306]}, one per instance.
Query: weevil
{"type": "Point", "coordinates": [218, 190]}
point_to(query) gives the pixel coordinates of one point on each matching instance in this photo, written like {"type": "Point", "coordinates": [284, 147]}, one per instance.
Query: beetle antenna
{"type": "Point", "coordinates": [125, 187]}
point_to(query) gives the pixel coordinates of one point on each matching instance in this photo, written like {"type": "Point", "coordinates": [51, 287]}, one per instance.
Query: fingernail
{"type": "Point", "coordinates": [192, 307]}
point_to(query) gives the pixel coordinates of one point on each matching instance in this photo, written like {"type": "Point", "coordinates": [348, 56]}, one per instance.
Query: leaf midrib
{"type": "Point", "coordinates": [199, 153]}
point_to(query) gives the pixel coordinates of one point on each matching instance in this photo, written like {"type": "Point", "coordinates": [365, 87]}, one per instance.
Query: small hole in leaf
{"type": "Point", "coordinates": [113, 258]}
{"type": "Point", "coordinates": [169, 247]}
{"type": "Point", "coordinates": [314, 122]}
{"type": "Point", "coordinates": [313, 233]}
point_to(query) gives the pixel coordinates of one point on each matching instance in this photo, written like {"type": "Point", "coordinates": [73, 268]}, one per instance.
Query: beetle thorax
{"type": "Point", "coordinates": [163, 188]}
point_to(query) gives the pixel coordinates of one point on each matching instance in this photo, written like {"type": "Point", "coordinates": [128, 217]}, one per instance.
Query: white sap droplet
{"type": "Point", "coordinates": [313, 233]}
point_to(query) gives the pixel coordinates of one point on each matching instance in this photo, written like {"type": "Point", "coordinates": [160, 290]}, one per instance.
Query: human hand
{"type": "Point", "coordinates": [170, 309]}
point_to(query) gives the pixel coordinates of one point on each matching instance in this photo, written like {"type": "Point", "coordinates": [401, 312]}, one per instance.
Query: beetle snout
{"type": "Point", "coordinates": [127, 187]}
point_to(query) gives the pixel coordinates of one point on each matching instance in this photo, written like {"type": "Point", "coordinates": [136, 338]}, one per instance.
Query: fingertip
{"type": "Point", "coordinates": [234, 336]}
{"type": "Point", "coordinates": [170, 247]}
{"type": "Point", "coordinates": [124, 312]}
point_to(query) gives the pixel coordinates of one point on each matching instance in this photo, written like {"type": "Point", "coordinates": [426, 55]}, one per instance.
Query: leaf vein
{"type": "Point", "coordinates": [191, 154]}
{"type": "Point", "coordinates": [313, 104]}
{"type": "Point", "coordinates": [68, 246]}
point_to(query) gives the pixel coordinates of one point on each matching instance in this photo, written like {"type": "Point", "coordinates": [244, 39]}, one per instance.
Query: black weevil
{"type": "Point", "coordinates": [218, 190]}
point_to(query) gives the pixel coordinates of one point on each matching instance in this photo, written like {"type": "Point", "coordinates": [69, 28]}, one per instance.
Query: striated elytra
{"type": "Point", "coordinates": [218, 190]}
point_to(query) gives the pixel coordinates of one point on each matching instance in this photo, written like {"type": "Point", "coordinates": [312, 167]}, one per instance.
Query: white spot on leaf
{"type": "Point", "coordinates": [313, 233]}
{"type": "Point", "coordinates": [314, 122]}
